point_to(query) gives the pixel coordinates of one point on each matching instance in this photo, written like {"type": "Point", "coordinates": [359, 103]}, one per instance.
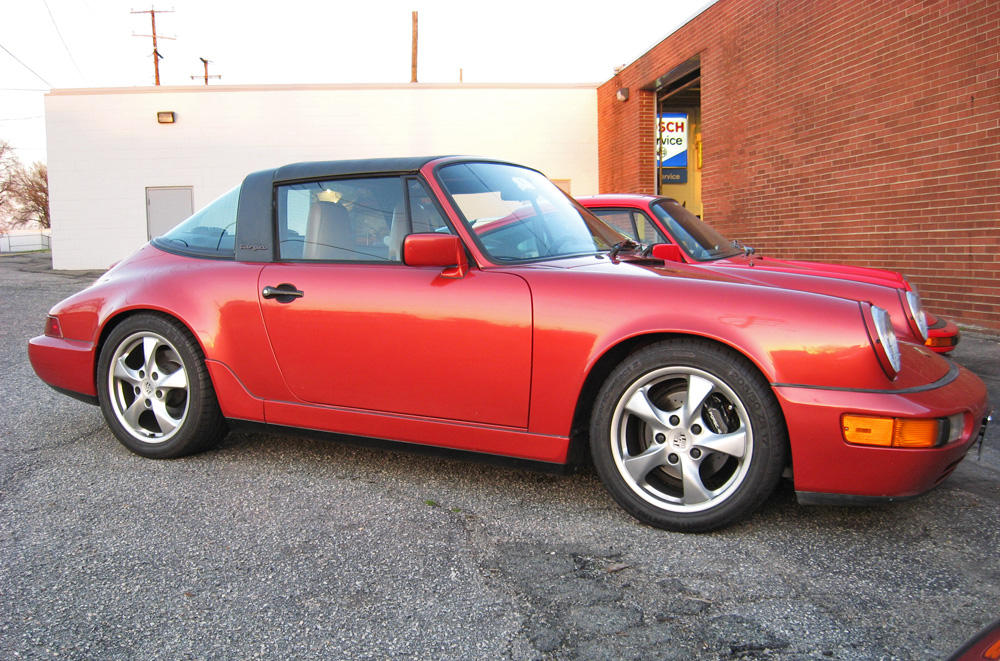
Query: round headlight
{"type": "Point", "coordinates": [886, 336]}
{"type": "Point", "coordinates": [917, 310]}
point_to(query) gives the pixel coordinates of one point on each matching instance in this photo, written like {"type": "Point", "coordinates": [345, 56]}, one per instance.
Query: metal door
{"type": "Point", "coordinates": [166, 207]}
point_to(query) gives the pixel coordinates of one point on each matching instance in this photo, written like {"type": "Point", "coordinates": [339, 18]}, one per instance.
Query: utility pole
{"type": "Point", "coordinates": [206, 76]}
{"type": "Point", "coordinates": [413, 57]}
{"type": "Point", "coordinates": [156, 54]}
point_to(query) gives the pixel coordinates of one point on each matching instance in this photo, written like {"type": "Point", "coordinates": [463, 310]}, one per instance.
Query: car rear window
{"type": "Point", "coordinates": [210, 232]}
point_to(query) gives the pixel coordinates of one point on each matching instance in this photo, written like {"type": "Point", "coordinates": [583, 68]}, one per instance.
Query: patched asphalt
{"type": "Point", "coordinates": [273, 547]}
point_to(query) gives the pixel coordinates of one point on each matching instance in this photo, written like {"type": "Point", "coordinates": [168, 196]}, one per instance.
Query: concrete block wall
{"type": "Point", "coordinates": [106, 147]}
{"type": "Point", "coordinates": [863, 132]}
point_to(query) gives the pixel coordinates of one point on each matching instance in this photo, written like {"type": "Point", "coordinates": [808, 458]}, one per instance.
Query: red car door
{"type": "Point", "coordinates": [400, 339]}
{"type": "Point", "coordinates": [369, 333]}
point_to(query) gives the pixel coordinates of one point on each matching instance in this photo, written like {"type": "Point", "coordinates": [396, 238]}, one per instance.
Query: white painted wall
{"type": "Point", "coordinates": [105, 145]}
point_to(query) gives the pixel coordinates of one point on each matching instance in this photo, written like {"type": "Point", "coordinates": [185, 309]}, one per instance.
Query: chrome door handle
{"type": "Point", "coordinates": [282, 291]}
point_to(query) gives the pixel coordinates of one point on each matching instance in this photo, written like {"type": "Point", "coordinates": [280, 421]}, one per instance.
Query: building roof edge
{"type": "Point", "coordinates": [209, 89]}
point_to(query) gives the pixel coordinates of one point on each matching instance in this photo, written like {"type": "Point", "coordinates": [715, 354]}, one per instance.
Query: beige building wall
{"type": "Point", "coordinates": [105, 146]}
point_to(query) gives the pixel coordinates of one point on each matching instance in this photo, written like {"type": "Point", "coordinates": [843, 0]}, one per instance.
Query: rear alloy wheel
{"type": "Point", "coordinates": [686, 435]}
{"type": "Point", "coordinates": [155, 391]}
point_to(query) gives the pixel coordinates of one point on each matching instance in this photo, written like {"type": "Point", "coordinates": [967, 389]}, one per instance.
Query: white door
{"type": "Point", "coordinates": [166, 208]}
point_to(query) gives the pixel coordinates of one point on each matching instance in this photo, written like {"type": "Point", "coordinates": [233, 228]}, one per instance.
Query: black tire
{"type": "Point", "coordinates": [155, 391]}
{"type": "Point", "coordinates": [688, 467]}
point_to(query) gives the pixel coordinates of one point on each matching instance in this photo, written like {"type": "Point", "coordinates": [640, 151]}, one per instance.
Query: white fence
{"type": "Point", "coordinates": [25, 240]}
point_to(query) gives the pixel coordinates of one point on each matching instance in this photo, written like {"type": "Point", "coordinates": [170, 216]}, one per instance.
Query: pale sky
{"type": "Point", "coordinates": [62, 44]}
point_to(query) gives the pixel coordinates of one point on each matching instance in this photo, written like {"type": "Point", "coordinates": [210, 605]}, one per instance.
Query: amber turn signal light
{"type": "Point", "coordinates": [891, 432]}
{"type": "Point", "coordinates": [993, 652]}
{"type": "Point", "coordinates": [941, 342]}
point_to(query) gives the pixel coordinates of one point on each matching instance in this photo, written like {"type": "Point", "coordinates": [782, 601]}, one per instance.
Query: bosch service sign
{"type": "Point", "coordinates": [671, 140]}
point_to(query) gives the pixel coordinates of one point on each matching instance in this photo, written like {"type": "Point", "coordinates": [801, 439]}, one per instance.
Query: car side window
{"type": "Point", "coordinates": [210, 232]}
{"type": "Point", "coordinates": [423, 212]}
{"type": "Point", "coordinates": [424, 217]}
{"type": "Point", "coordinates": [634, 224]}
{"type": "Point", "coordinates": [621, 220]}
{"type": "Point", "coordinates": [645, 230]}
{"type": "Point", "coordinates": [342, 220]}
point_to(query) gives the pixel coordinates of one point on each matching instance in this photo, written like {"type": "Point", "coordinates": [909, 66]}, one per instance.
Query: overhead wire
{"type": "Point", "coordinates": [26, 66]}
{"type": "Point", "coordinates": [71, 59]}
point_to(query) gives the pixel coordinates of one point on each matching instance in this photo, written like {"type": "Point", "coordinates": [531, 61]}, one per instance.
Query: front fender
{"type": "Point", "coordinates": [792, 337]}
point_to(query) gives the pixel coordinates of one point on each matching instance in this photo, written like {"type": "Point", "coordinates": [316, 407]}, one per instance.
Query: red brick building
{"type": "Point", "coordinates": [855, 131]}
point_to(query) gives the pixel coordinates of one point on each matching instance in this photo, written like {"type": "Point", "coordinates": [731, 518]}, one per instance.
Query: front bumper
{"type": "Point", "coordinates": [827, 468]}
{"type": "Point", "coordinates": [942, 336]}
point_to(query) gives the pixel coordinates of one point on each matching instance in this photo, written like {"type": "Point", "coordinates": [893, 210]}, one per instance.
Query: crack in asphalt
{"type": "Point", "coordinates": [20, 462]}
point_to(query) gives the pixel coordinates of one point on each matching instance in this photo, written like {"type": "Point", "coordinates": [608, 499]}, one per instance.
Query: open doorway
{"type": "Point", "coordinates": [678, 134]}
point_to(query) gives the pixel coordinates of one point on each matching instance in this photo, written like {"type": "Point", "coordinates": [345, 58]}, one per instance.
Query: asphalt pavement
{"type": "Point", "coordinates": [274, 547]}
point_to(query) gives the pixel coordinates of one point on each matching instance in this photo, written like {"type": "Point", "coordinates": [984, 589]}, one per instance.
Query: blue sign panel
{"type": "Point", "coordinates": [674, 176]}
{"type": "Point", "coordinates": [672, 140]}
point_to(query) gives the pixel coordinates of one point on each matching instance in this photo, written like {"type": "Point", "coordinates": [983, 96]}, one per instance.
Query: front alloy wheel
{"type": "Point", "coordinates": [681, 439]}
{"type": "Point", "coordinates": [687, 436]}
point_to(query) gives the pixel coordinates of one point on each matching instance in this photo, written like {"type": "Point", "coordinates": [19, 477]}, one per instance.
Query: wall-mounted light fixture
{"type": "Point", "coordinates": [622, 94]}
{"type": "Point", "coordinates": [166, 117]}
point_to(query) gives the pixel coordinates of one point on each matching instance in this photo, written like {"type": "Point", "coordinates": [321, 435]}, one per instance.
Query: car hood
{"type": "Point", "coordinates": [882, 288]}
{"type": "Point", "coordinates": [639, 267]}
{"type": "Point", "coordinates": [815, 277]}
{"type": "Point", "coordinates": [781, 270]}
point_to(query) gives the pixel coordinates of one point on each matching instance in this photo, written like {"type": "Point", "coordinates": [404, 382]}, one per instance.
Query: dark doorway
{"type": "Point", "coordinates": [678, 134]}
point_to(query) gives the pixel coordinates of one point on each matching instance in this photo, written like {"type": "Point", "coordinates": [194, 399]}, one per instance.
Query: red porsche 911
{"type": "Point", "coordinates": [467, 307]}
{"type": "Point", "coordinates": [651, 219]}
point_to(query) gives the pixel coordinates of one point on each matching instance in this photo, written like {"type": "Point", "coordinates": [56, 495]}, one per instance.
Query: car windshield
{"type": "Point", "coordinates": [517, 215]}
{"type": "Point", "coordinates": [692, 234]}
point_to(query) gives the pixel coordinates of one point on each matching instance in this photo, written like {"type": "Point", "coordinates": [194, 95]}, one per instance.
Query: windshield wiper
{"type": "Point", "coordinates": [747, 250]}
{"type": "Point", "coordinates": [627, 244]}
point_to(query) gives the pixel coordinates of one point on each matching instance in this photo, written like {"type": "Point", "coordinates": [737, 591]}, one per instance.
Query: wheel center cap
{"type": "Point", "coordinates": [679, 439]}
{"type": "Point", "coordinates": [147, 387]}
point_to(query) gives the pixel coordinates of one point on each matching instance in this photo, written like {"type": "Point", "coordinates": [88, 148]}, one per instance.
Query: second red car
{"type": "Point", "coordinates": [650, 219]}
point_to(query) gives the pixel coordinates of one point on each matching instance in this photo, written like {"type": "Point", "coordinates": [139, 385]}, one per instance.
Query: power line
{"type": "Point", "coordinates": [25, 66]}
{"type": "Point", "coordinates": [71, 59]}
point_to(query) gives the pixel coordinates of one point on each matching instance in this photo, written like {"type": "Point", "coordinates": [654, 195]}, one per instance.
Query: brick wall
{"type": "Point", "coordinates": [856, 131]}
